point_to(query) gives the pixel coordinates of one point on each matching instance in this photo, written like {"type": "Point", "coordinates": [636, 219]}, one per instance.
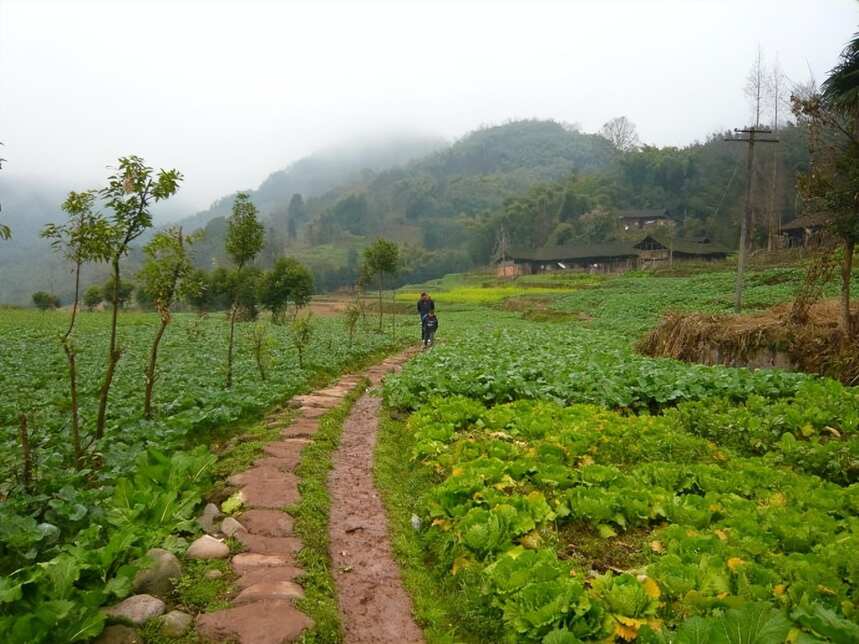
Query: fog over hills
{"type": "Point", "coordinates": [27, 264]}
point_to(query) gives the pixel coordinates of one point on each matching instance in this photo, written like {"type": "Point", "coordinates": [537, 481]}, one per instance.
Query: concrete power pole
{"type": "Point", "coordinates": [752, 137]}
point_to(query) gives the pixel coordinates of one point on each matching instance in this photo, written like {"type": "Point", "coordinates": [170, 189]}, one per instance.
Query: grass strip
{"type": "Point", "coordinates": [311, 524]}
{"type": "Point", "coordinates": [441, 608]}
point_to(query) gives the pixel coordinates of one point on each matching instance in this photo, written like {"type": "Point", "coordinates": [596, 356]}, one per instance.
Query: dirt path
{"type": "Point", "coordinates": [374, 606]}
{"type": "Point", "coordinates": [263, 612]}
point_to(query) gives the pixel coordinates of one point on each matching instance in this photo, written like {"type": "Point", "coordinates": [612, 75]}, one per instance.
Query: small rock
{"type": "Point", "coordinates": [416, 522]}
{"type": "Point", "coordinates": [230, 526]}
{"type": "Point", "coordinates": [213, 574]}
{"type": "Point", "coordinates": [118, 634]}
{"type": "Point", "coordinates": [137, 609]}
{"type": "Point", "coordinates": [207, 547]}
{"type": "Point", "coordinates": [269, 590]}
{"type": "Point", "coordinates": [210, 515]}
{"type": "Point", "coordinates": [157, 578]}
{"type": "Point", "coordinates": [175, 623]}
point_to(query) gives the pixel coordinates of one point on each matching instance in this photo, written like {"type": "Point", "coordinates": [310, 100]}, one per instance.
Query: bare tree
{"type": "Point", "coordinates": [776, 93]}
{"type": "Point", "coordinates": [756, 85]}
{"type": "Point", "coordinates": [621, 133]}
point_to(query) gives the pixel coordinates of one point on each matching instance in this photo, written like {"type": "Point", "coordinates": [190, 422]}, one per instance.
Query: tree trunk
{"type": "Point", "coordinates": [745, 228]}
{"type": "Point", "coordinates": [846, 273]}
{"type": "Point", "coordinates": [233, 313]}
{"type": "Point", "coordinates": [113, 356]}
{"type": "Point", "coordinates": [150, 369]}
{"type": "Point", "coordinates": [73, 389]}
{"type": "Point", "coordinates": [381, 286]}
{"type": "Point", "coordinates": [73, 374]}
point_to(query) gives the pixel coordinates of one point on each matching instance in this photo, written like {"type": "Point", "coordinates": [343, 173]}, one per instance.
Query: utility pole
{"type": "Point", "coordinates": [752, 137]}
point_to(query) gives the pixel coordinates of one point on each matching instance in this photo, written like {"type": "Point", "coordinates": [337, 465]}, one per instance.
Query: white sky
{"type": "Point", "coordinates": [228, 91]}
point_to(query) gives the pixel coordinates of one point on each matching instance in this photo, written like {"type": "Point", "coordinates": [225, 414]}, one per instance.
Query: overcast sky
{"type": "Point", "coordinates": [229, 91]}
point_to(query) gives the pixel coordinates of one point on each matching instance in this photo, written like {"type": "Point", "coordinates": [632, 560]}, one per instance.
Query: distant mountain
{"type": "Point", "coordinates": [433, 201]}
{"type": "Point", "coordinates": [436, 204]}
{"type": "Point", "coordinates": [27, 263]}
{"type": "Point", "coordinates": [322, 171]}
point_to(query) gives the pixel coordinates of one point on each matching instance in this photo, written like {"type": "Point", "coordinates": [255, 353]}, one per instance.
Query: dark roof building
{"type": "Point", "coordinates": [613, 256]}
{"type": "Point", "coordinates": [631, 219]}
{"type": "Point", "coordinates": [807, 230]}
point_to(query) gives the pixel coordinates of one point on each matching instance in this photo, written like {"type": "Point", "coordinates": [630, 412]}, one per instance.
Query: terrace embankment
{"type": "Point", "coordinates": [768, 339]}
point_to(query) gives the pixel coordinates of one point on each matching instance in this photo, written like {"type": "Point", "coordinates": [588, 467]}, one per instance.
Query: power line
{"type": "Point", "coordinates": [746, 222]}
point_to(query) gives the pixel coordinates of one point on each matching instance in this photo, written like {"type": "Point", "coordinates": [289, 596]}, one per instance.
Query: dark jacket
{"type": "Point", "coordinates": [425, 306]}
{"type": "Point", "coordinates": [431, 323]}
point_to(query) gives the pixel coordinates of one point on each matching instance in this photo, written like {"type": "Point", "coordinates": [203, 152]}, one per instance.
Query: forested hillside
{"type": "Point", "coordinates": [532, 182]}
{"type": "Point", "coordinates": [539, 182]}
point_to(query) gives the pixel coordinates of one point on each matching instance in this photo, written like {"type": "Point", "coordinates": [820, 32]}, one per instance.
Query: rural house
{"type": "Point", "coordinates": [608, 257]}
{"type": "Point", "coordinates": [806, 231]}
{"type": "Point", "coordinates": [639, 219]}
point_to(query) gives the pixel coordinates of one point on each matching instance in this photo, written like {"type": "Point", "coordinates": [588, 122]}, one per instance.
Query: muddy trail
{"type": "Point", "coordinates": [374, 606]}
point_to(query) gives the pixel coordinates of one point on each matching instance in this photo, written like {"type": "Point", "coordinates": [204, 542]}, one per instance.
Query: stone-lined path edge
{"type": "Point", "coordinates": [263, 612]}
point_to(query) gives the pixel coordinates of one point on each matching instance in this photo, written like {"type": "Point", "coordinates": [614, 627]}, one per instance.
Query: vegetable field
{"type": "Point", "coordinates": [71, 539]}
{"type": "Point", "coordinates": [571, 490]}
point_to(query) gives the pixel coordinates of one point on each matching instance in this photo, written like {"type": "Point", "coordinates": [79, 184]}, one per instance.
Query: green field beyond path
{"type": "Point", "coordinates": [568, 489]}
{"type": "Point", "coordinates": [571, 490]}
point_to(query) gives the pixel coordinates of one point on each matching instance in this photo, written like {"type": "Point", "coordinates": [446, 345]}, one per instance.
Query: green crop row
{"type": "Point", "coordinates": [722, 539]}
{"type": "Point", "coordinates": [815, 431]}
{"type": "Point", "coordinates": [70, 538]}
{"type": "Point", "coordinates": [59, 599]}
{"type": "Point", "coordinates": [497, 363]}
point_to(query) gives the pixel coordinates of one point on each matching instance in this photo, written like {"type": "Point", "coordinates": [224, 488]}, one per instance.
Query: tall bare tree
{"type": "Point", "coordinates": [776, 95]}
{"type": "Point", "coordinates": [621, 133]}
{"type": "Point", "coordinates": [756, 86]}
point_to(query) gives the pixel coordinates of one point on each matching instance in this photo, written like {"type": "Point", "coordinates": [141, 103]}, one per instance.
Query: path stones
{"type": "Point", "coordinates": [230, 527]}
{"type": "Point", "coordinates": [287, 449]}
{"type": "Point", "coordinates": [137, 609]}
{"type": "Point", "coordinates": [260, 622]}
{"type": "Point", "coordinates": [272, 493]}
{"type": "Point", "coordinates": [245, 561]}
{"type": "Point", "coordinates": [262, 574]}
{"type": "Point", "coordinates": [275, 546]}
{"type": "Point", "coordinates": [313, 412]}
{"type": "Point", "coordinates": [304, 428]}
{"type": "Point", "coordinates": [269, 590]}
{"type": "Point", "coordinates": [175, 623]}
{"type": "Point", "coordinates": [209, 517]}
{"type": "Point", "coordinates": [207, 547]}
{"type": "Point", "coordinates": [268, 523]}
{"type": "Point", "coordinates": [320, 400]}
{"type": "Point", "coordinates": [283, 464]}
{"type": "Point", "coordinates": [157, 578]}
{"type": "Point", "coordinates": [263, 612]}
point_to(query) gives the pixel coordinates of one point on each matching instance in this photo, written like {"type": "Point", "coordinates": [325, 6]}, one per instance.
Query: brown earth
{"type": "Point", "coordinates": [268, 577]}
{"type": "Point", "coordinates": [373, 603]}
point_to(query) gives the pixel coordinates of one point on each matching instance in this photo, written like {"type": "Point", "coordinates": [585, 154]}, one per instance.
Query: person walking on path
{"type": "Point", "coordinates": [430, 327]}
{"type": "Point", "coordinates": [425, 307]}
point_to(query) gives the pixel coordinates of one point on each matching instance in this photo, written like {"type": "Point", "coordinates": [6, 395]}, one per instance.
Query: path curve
{"type": "Point", "coordinates": [374, 606]}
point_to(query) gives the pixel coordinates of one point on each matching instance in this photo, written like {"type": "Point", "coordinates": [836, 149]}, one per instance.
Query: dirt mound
{"type": "Point", "coordinates": [767, 339]}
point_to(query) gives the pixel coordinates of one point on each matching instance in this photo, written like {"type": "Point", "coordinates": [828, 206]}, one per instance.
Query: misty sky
{"type": "Point", "coordinates": [229, 91]}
